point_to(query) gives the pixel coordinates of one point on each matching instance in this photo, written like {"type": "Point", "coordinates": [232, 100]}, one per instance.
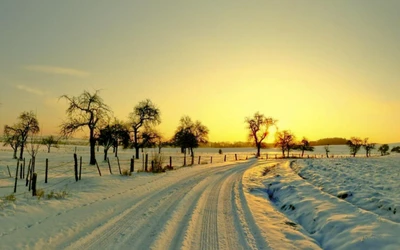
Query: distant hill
{"type": "Point", "coordinates": [330, 141]}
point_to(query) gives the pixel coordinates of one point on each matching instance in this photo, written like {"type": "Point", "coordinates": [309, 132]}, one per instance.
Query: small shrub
{"type": "Point", "coordinates": [157, 160]}
{"type": "Point", "coordinates": [126, 172]}
{"type": "Point", "coordinates": [61, 195]}
{"type": "Point", "coordinates": [40, 193]}
{"type": "Point", "coordinates": [168, 167]}
{"type": "Point", "coordinates": [57, 195]}
{"type": "Point", "coordinates": [220, 151]}
{"type": "Point", "coordinates": [10, 197]}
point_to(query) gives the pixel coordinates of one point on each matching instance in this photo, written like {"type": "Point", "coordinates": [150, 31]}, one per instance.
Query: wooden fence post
{"type": "Point", "coordinates": [31, 173]}
{"type": "Point", "coordinates": [20, 171]}
{"type": "Point", "coordinates": [170, 161]}
{"type": "Point", "coordinates": [146, 162]}
{"type": "Point", "coordinates": [80, 167]}
{"type": "Point", "coordinates": [211, 159]}
{"type": "Point", "coordinates": [266, 156]}
{"type": "Point", "coordinates": [152, 165]}
{"type": "Point", "coordinates": [109, 166]}
{"type": "Point", "coordinates": [34, 179]}
{"type": "Point", "coordinates": [47, 170]}
{"type": "Point", "coordinates": [27, 174]}
{"type": "Point", "coordinates": [132, 165]}
{"type": "Point", "coordinates": [9, 173]}
{"type": "Point", "coordinates": [225, 158]}
{"type": "Point", "coordinates": [119, 166]}
{"type": "Point", "coordinates": [16, 179]}
{"type": "Point", "coordinates": [184, 160]}
{"type": "Point", "coordinates": [76, 167]}
{"type": "Point", "coordinates": [235, 157]}
{"type": "Point", "coordinates": [192, 163]}
{"type": "Point", "coordinates": [98, 169]}
{"type": "Point", "coordinates": [199, 160]}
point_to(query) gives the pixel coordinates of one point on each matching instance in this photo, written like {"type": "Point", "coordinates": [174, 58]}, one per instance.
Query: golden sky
{"type": "Point", "coordinates": [322, 68]}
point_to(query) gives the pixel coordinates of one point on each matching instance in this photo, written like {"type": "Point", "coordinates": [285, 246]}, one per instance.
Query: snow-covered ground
{"type": "Point", "coordinates": [338, 203]}
{"type": "Point", "coordinates": [248, 204]}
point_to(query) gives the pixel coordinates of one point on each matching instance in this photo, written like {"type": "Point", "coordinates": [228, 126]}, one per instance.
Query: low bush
{"type": "Point", "coordinates": [10, 197]}
{"type": "Point", "coordinates": [126, 172]}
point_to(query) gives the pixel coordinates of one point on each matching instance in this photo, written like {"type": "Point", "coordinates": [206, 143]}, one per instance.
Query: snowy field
{"type": "Point", "coordinates": [339, 203]}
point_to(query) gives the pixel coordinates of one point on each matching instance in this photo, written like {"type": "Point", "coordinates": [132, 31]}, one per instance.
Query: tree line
{"type": "Point", "coordinates": [259, 129]}
{"type": "Point", "coordinates": [89, 111]}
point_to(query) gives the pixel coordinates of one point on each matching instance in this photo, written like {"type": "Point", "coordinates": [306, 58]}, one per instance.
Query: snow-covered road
{"type": "Point", "coordinates": [201, 207]}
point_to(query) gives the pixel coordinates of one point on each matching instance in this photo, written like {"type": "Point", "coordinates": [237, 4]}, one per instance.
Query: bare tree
{"type": "Point", "coordinates": [304, 145]}
{"type": "Point", "coordinates": [286, 141]}
{"type": "Point", "coordinates": [12, 138]}
{"type": "Point", "coordinates": [190, 135]}
{"type": "Point", "coordinates": [27, 125]}
{"type": "Point", "coordinates": [259, 126]}
{"type": "Point", "coordinates": [327, 150]}
{"type": "Point", "coordinates": [50, 141]}
{"type": "Point", "coordinates": [85, 111]}
{"type": "Point", "coordinates": [146, 115]}
{"type": "Point", "coordinates": [368, 147]}
{"type": "Point", "coordinates": [112, 135]}
{"type": "Point", "coordinates": [354, 145]}
{"type": "Point", "coordinates": [383, 149]}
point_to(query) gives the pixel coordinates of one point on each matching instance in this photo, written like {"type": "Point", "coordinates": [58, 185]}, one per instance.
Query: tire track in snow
{"type": "Point", "coordinates": [134, 223]}
{"type": "Point", "coordinates": [201, 210]}
{"type": "Point", "coordinates": [220, 220]}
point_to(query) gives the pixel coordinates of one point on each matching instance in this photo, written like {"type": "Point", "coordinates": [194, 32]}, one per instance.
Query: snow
{"type": "Point", "coordinates": [245, 204]}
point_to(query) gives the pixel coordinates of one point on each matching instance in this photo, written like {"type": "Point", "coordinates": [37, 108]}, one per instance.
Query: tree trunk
{"type": "Point", "coordinates": [116, 150]}
{"type": "Point", "coordinates": [302, 153]}
{"type": "Point", "coordinates": [137, 152]}
{"type": "Point", "coordinates": [135, 143]}
{"type": "Point", "coordinates": [92, 141]}
{"type": "Point", "coordinates": [288, 153]}
{"type": "Point", "coordinates": [105, 154]}
{"type": "Point", "coordinates": [283, 152]}
{"type": "Point", "coordinates": [258, 149]}
{"type": "Point", "coordinates": [48, 148]}
{"type": "Point", "coordinates": [191, 152]}
{"type": "Point", "coordinates": [21, 153]}
{"type": "Point", "coordinates": [15, 153]}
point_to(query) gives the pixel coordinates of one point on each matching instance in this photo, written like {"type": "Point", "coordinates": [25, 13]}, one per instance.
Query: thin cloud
{"type": "Point", "coordinates": [30, 90]}
{"type": "Point", "coordinates": [57, 70]}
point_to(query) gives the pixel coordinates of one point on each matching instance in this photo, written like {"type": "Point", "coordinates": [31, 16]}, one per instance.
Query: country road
{"type": "Point", "coordinates": [200, 210]}
{"type": "Point", "coordinates": [200, 207]}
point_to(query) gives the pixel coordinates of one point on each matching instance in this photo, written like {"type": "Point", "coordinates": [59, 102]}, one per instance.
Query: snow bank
{"type": "Point", "coordinates": [331, 222]}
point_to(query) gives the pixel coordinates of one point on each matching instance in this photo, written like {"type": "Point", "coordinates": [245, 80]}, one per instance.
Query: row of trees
{"type": "Point", "coordinates": [259, 125]}
{"type": "Point", "coordinates": [89, 112]}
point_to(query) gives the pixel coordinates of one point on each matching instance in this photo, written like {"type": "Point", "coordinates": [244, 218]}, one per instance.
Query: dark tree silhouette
{"type": "Point", "coordinates": [258, 127]}
{"type": "Point", "coordinates": [304, 145]}
{"type": "Point", "coordinates": [49, 141]}
{"type": "Point", "coordinates": [383, 149]}
{"type": "Point", "coordinates": [27, 125]}
{"type": "Point", "coordinates": [12, 138]}
{"type": "Point", "coordinates": [395, 149]}
{"type": "Point", "coordinates": [354, 145]}
{"type": "Point", "coordinates": [112, 136]}
{"type": "Point", "coordinates": [146, 115]}
{"type": "Point", "coordinates": [327, 150]}
{"type": "Point", "coordinates": [190, 135]}
{"type": "Point", "coordinates": [286, 141]}
{"type": "Point", "coordinates": [368, 147]}
{"type": "Point", "coordinates": [85, 111]}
